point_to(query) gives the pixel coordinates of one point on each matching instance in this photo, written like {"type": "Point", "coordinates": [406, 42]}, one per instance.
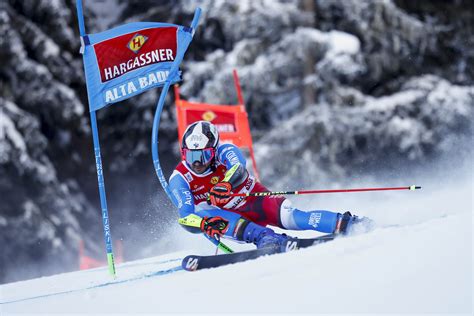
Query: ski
{"type": "Point", "coordinates": [196, 262]}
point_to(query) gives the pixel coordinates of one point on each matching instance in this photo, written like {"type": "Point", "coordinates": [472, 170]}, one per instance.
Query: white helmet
{"type": "Point", "coordinates": [199, 142]}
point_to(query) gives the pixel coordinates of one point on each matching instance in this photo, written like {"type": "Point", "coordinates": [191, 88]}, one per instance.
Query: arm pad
{"type": "Point", "coordinates": [236, 175]}
{"type": "Point", "coordinates": [191, 222]}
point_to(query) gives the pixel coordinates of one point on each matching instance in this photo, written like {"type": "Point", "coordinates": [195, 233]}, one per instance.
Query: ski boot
{"type": "Point", "coordinates": [262, 237]}
{"type": "Point", "coordinates": [348, 223]}
{"type": "Point", "coordinates": [270, 239]}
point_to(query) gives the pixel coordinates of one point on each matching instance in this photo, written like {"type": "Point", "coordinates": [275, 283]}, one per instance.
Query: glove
{"type": "Point", "coordinates": [219, 194]}
{"type": "Point", "coordinates": [213, 226]}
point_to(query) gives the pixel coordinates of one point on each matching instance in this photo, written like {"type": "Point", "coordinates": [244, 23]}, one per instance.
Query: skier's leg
{"type": "Point", "coordinates": [278, 211]}
{"type": "Point", "coordinates": [319, 220]}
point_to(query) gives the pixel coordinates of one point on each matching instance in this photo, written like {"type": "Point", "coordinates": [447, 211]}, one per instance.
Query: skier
{"type": "Point", "coordinates": [210, 172]}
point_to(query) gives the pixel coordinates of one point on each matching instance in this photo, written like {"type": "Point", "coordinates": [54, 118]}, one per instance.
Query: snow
{"type": "Point", "coordinates": [280, 49]}
{"type": "Point", "coordinates": [388, 103]}
{"type": "Point", "coordinates": [51, 49]}
{"type": "Point", "coordinates": [341, 42]}
{"type": "Point", "coordinates": [107, 12]}
{"type": "Point", "coordinates": [417, 260]}
{"type": "Point", "coordinates": [8, 130]}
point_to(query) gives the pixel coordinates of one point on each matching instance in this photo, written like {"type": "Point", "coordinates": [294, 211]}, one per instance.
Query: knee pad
{"type": "Point", "coordinates": [287, 217]}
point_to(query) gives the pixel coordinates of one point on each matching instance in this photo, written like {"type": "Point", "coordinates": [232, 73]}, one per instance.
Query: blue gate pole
{"type": "Point", "coordinates": [98, 163]}
{"type": "Point", "coordinates": [103, 198]}
{"type": "Point", "coordinates": [156, 126]}
{"type": "Point", "coordinates": [159, 109]}
{"type": "Point", "coordinates": [154, 138]}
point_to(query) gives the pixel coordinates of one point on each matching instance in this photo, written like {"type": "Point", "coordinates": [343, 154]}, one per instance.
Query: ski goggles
{"type": "Point", "coordinates": [203, 156]}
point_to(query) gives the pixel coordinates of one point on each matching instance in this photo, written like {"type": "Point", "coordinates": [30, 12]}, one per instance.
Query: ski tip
{"type": "Point", "coordinates": [190, 263]}
{"type": "Point", "coordinates": [415, 187]}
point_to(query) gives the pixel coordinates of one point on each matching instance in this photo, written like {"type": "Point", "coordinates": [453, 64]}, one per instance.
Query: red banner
{"type": "Point", "coordinates": [128, 52]}
{"type": "Point", "coordinates": [224, 121]}
{"type": "Point", "coordinates": [231, 120]}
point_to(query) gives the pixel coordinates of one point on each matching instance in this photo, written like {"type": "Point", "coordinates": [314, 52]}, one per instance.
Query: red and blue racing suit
{"type": "Point", "coordinates": [191, 190]}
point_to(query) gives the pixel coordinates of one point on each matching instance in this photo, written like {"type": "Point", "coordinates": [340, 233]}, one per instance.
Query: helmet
{"type": "Point", "coordinates": [199, 143]}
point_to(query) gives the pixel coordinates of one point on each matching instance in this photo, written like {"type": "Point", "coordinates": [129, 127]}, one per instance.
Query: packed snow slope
{"type": "Point", "coordinates": [417, 260]}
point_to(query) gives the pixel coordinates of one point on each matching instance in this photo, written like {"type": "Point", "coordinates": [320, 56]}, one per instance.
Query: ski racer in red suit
{"type": "Point", "coordinates": [209, 172]}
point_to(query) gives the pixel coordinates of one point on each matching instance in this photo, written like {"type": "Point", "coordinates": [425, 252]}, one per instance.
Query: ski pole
{"type": "Point", "coordinates": [412, 188]}
{"type": "Point", "coordinates": [220, 245]}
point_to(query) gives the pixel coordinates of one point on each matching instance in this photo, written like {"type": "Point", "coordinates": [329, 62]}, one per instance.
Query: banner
{"type": "Point", "coordinates": [230, 120]}
{"type": "Point", "coordinates": [123, 62]}
{"type": "Point", "coordinates": [127, 60]}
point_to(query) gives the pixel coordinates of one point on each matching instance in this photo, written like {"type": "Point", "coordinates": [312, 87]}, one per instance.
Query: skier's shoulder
{"type": "Point", "coordinates": [229, 152]}
{"type": "Point", "coordinates": [180, 166]}
{"type": "Point", "coordinates": [180, 170]}
{"type": "Point", "coordinates": [225, 147]}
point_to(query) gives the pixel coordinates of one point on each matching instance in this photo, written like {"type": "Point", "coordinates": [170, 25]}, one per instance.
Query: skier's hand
{"type": "Point", "coordinates": [213, 226]}
{"type": "Point", "coordinates": [219, 194]}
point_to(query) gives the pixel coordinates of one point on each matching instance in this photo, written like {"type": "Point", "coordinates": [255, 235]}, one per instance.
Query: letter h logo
{"type": "Point", "coordinates": [137, 42]}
